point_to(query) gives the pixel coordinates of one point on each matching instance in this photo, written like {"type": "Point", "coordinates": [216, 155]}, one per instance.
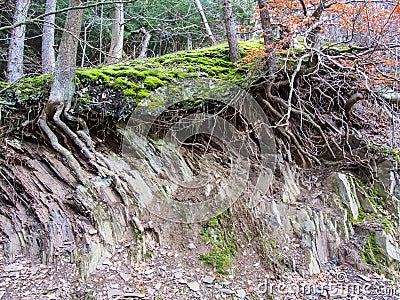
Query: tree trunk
{"type": "Point", "coordinates": [48, 53]}
{"type": "Point", "coordinates": [205, 22]}
{"type": "Point", "coordinates": [268, 35]}
{"type": "Point", "coordinates": [63, 87]}
{"type": "Point", "coordinates": [15, 64]}
{"type": "Point", "coordinates": [145, 43]}
{"type": "Point", "coordinates": [101, 34]}
{"type": "Point", "coordinates": [230, 25]}
{"type": "Point", "coordinates": [189, 42]}
{"type": "Point", "coordinates": [117, 37]}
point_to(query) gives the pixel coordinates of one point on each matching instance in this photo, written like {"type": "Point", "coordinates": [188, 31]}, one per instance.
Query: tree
{"type": "Point", "coordinates": [15, 64]}
{"type": "Point", "coordinates": [268, 35]}
{"type": "Point", "coordinates": [117, 35]}
{"type": "Point", "coordinates": [230, 25]}
{"type": "Point", "coordinates": [48, 53]}
{"type": "Point", "coordinates": [205, 22]}
{"type": "Point", "coordinates": [145, 43]}
{"type": "Point", "coordinates": [63, 88]}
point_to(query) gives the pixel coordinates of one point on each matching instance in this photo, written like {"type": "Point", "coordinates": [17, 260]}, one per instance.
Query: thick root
{"type": "Point", "coordinates": [72, 162]}
{"type": "Point", "coordinates": [70, 133]}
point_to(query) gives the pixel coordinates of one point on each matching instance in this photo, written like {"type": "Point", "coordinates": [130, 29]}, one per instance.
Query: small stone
{"type": "Point", "coordinates": [107, 262]}
{"type": "Point", "coordinates": [124, 276]}
{"type": "Point", "coordinates": [241, 293]}
{"type": "Point", "coordinates": [114, 292]}
{"type": "Point", "coordinates": [13, 268]}
{"type": "Point", "coordinates": [191, 246]}
{"type": "Point", "coordinates": [194, 286]}
{"type": "Point", "coordinates": [12, 274]}
{"type": "Point", "coordinates": [227, 291]}
{"type": "Point", "coordinates": [149, 271]}
{"type": "Point", "coordinates": [208, 279]}
{"type": "Point", "coordinates": [178, 275]}
{"type": "Point", "coordinates": [158, 286]}
{"type": "Point", "coordinates": [92, 231]}
{"type": "Point", "coordinates": [182, 281]}
{"type": "Point", "coordinates": [134, 295]}
{"type": "Point", "coordinates": [365, 278]}
{"type": "Point", "coordinates": [33, 270]}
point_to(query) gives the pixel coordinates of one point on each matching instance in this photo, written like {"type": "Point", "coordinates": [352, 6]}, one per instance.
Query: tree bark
{"type": "Point", "coordinates": [268, 35]}
{"type": "Point", "coordinates": [48, 53]}
{"type": "Point", "coordinates": [205, 22]}
{"type": "Point", "coordinates": [63, 87]}
{"type": "Point", "coordinates": [15, 64]}
{"type": "Point", "coordinates": [117, 36]}
{"type": "Point", "coordinates": [145, 43]}
{"type": "Point", "coordinates": [230, 25]}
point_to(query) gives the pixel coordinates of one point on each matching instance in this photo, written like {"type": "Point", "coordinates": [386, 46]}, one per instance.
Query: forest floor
{"type": "Point", "coordinates": [171, 274]}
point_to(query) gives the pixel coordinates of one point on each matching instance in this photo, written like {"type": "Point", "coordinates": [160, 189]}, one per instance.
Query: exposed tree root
{"type": "Point", "coordinates": [70, 133]}
{"type": "Point", "coordinates": [72, 162]}
{"type": "Point", "coordinates": [310, 106]}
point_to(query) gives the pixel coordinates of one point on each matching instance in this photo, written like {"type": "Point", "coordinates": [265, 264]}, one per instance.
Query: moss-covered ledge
{"type": "Point", "coordinates": [111, 92]}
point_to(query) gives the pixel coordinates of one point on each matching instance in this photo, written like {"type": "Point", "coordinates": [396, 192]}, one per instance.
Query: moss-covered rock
{"type": "Point", "coordinates": [114, 91]}
{"type": "Point", "coordinates": [220, 233]}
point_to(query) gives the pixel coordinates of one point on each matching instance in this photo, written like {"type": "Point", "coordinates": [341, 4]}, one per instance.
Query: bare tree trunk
{"type": "Point", "coordinates": [230, 25]}
{"type": "Point", "coordinates": [62, 91]}
{"type": "Point", "coordinates": [117, 37]}
{"type": "Point", "coordinates": [145, 43]}
{"type": "Point", "coordinates": [48, 53]}
{"type": "Point", "coordinates": [161, 42]}
{"type": "Point", "coordinates": [63, 86]}
{"type": "Point", "coordinates": [101, 34]}
{"type": "Point", "coordinates": [205, 22]}
{"type": "Point", "coordinates": [189, 42]}
{"type": "Point", "coordinates": [15, 64]}
{"type": "Point", "coordinates": [268, 35]}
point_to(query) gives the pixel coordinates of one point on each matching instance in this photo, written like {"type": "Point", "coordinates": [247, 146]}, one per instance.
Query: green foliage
{"type": "Point", "coordinates": [32, 89]}
{"type": "Point", "coordinates": [371, 254]}
{"type": "Point", "coordinates": [221, 235]}
{"type": "Point", "coordinates": [152, 82]}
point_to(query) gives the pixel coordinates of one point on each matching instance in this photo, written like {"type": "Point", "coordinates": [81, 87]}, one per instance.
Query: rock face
{"type": "Point", "coordinates": [302, 225]}
{"type": "Point", "coordinates": [302, 229]}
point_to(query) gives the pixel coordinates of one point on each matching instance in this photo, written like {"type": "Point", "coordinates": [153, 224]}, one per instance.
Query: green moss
{"type": "Point", "coordinates": [152, 82]}
{"type": "Point", "coordinates": [123, 83]}
{"type": "Point", "coordinates": [94, 75]}
{"type": "Point", "coordinates": [220, 233]}
{"type": "Point", "coordinates": [143, 94]}
{"type": "Point", "coordinates": [361, 214]}
{"type": "Point", "coordinates": [371, 254]}
{"type": "Point", "coordinates": [387, 223]}
{"type": "Point", "coordinates": [84, 99]}
{"type": "Point", "coordinates": [129, 92]}
{"type": "Point", "coordinates": [376, 197]}
{"type": "Point", "coordinates": [153, 102]}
